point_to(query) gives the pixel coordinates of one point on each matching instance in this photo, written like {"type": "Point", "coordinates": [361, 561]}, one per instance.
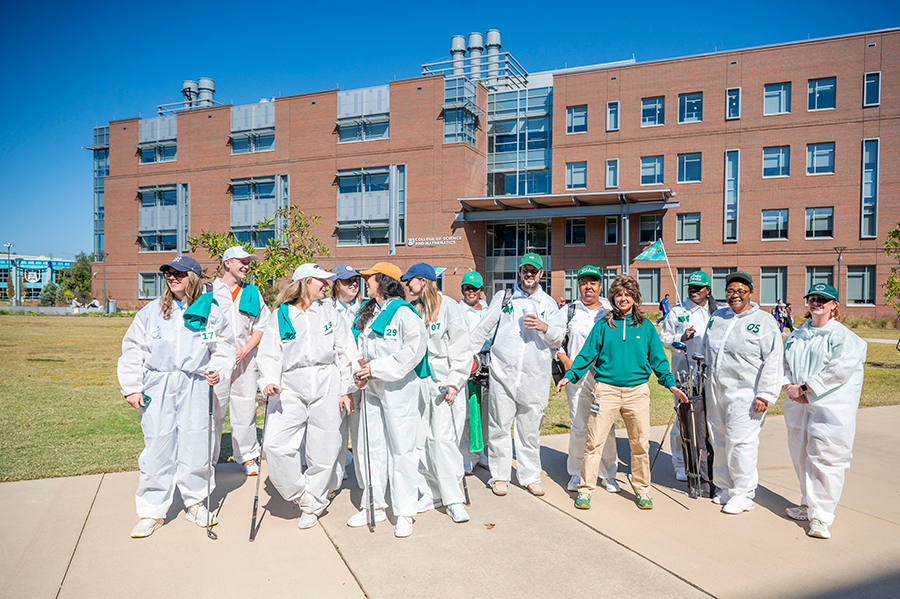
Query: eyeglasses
{"type": "Point", "coordinates": [738, 292]}
{"type": "Point", "coordinates": [174, 274]}
{"type": "Point", "coordinates": [531, 272]}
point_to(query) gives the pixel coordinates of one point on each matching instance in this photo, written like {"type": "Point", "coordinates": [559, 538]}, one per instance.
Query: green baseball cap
{"type": "Point", "coordinates": [700, 279]}
{"type": "Point", "coordinates": [826, 291]}
{"type": "Point", "coordinates": [532, 260]}
{"type": "Point", "coordinates": [588, 271]}
{"type": "Point", "coordinates": [474, 279]}
{"type": "Point", "coordinates": [740, 276]}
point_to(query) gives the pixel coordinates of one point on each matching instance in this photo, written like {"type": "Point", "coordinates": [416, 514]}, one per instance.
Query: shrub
{"type": "Point", "coordinates": [48, 295]}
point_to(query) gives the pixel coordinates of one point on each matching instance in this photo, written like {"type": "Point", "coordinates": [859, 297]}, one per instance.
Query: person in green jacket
{"type": "Point", "coordinates": [623, 348]}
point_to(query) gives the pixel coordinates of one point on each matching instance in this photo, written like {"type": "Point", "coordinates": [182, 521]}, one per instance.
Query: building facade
{"type": "Point", "coordinates": [777, 160]}
{"type": "Point", "coordinates": [29, 274]}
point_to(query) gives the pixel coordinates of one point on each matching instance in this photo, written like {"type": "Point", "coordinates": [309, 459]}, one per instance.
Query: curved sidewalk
{"type": "Point", "coordinates": [69, 537]}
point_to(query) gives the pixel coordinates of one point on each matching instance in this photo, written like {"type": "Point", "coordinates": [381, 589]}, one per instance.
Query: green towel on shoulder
{"type": "Point", "coordinates": [249, 303]}
{"type": "Point", "coordinates": [285, 328]}
{"type": "Point", "coordinates": [423, 370]}
{"type": "Point", "coordinates": [197, 314]}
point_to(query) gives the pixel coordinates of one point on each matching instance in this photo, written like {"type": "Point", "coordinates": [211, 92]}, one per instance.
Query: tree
{"type": "Point", "coordinates": [892, 285]}
{"type": "Point", "coordinates": [78, 276]}
{"type": "Point", "coordinates": [294, 245]}
{"type": "Point", "coordinates": [48, 295]}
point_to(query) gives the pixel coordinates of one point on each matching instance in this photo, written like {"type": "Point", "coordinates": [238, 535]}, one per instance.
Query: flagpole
{"type": "Point", "coordinates": [674, 283]}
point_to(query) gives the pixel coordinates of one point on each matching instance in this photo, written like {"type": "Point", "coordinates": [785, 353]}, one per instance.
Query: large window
{"type": "Point", "coordinates": [652, 170]}
{"type": "Point", "coordinates": [576, 119]}
{"type": "Point", "coordinates": [459, 126]}
{"type": "Point", "coordinates": [872, 89]}
{"type": "Point", "coordinates": [150, 285]}
{"type": "Point", "coordinates": [860, 285]}
{"type": "Point", "coordinates": [158, 219]}
{"type": "Point", "coordinates": [733, 103]}
{"type": "Point", "coordinates": [819, 222]}
{"type": "Point", "coordinates": [367, 131]}
{"type": "Point", "coordinates": [688, 228]}
{"type": "Point", "coordinates": [254, 201]}
{"type": "Point", "coordinates": [371, 201]}
{"type": "Point", "coordinates": [255, 141]}
{"type": "Point", "coordinates": [653, 111]}
{"type": "Point", "coordinates": [161, 152]}
{"type": "Point", "coordinates": [777, 161]}
{"type": "Point", "coordinates": [732, 185]}
{"type": "Point", "coordinates": [612, 172]}
{"type": "Point", "coordinates": [648, 279]}
{"type": "Point", "coordinates": [612, 116]}
{"type": "Point", "coordinates": [576, 175]}
{"type": "Point", "coordinates": [612, 230]}
{"type": "Point", "coordinates": [690, 108]}
{"type": "Point", "coordinates": [772, 284]}
{"type": "Point", "coordinates": [651, 228]}
{"type": "Point", "coordinates": [571, 290]}
{"type": "Point", "coordinates": [821, 94]}
{"type": "Point", "coordinates": [253, 128]}
{"type": "Point", "coordinates": [820, 159]}
{"type": "Point", "coordinates": [682, 275]}
{"type": "Point", "coordinates": [816, 275]}
{"type": "Point", "coordinates": [777, 99]}
{"type": "Point", "coordinates": [869, 188]}
{"type": "Point", "coordinates": [775, 224]}
{"type": "Point", "coordinates": [576, 231]}
{"type": "Point", "coordinates": [718, 281]}
{"type": "Point", "coordinates": [689, 167]}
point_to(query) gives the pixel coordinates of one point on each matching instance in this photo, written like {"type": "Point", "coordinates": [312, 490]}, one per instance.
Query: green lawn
{"type": "Point", "coordinates": [61, 412]}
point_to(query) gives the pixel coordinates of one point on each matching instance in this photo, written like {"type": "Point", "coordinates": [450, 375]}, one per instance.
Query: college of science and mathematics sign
{"type": "Point", "coordinates": [423, 242]}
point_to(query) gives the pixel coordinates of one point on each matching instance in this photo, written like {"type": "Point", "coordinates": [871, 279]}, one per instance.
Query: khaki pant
{"type": "Point", "coordinates": [634, 405]}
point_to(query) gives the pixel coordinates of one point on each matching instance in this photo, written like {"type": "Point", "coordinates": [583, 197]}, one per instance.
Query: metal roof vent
{"type": "Point", "coordinates": [458, 52]}
{"type": "Point", "coordinates": [207, 92]}
{"type": "Point", "coordinates": [190, 90]}
{"type": "Point", "coordinates": [475, 49]}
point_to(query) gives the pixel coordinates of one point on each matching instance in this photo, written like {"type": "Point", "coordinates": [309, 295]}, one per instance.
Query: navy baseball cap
{"type": "Point", "coordinates": [183, 264]}
{"type": "Point", "coordinates": [345, 271]}
{"type": "Point", "coordinates": [426, 271]}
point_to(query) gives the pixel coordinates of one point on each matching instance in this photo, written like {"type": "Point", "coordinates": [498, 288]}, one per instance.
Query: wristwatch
{"type": "Point", "coordinates": [804, 387]}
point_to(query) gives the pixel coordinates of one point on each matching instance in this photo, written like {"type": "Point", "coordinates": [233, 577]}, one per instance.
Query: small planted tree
{"type": "Point", "coordinates": [294, 244]}
{"type": "Point", "coordinates": [48, 295]}
{"type": "Point", "coordinates": [892, 285]}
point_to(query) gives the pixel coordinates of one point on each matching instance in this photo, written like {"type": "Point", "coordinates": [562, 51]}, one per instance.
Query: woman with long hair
{"type": "Point", "coordinates": [392, 341]}
{"type": "Point", "coordinates": [622, 363]}
{"type": "Point", "coordinates": [823, 360]}
{"type": "Point", "coordinates": [175, 349]}
{"type": "Point", "coordinates": [440, 461]}
{"type": "Point", "coordinates": [305, 362]}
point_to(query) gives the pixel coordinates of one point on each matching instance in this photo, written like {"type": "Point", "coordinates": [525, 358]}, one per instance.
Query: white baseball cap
{"type": "Point", "coordinates": [238, 252]}
{"type": "Point", "coordinates": [311, 269]}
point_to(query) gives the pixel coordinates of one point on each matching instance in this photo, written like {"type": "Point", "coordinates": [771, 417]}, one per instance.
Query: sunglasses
{"type": "Point", "coordinates": [175, 274]}
{"type": "Point", "coordinates": [815, 299]}
{"type": "Point", "coordinates": [531, 272]}
{"type": "Point", "coordinates": [469, 289]}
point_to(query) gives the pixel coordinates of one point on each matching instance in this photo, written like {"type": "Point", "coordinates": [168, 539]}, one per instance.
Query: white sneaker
{"type": "Point", "coordinates": [428, 503]}
{"type": "Point", "coordinates": [801, 512]}
{"type": "Point", "coordinates": [573, 483]}
{"type": "Point", "coordinates": [611, 485]}
{"type": "Point", "coordinates": [404, 527]}
{"type": "Point", "coordinates": [250, 468]}
{"type": "Point", "coordinates": [818, 529]}
{"type": "Point", "coordinates": [307, 520]}
{"type": "Point", "coordinates": [306, 502]}
{"type": "Point", "coordinates": [145, 527]}
{"type": "Point", "coordinates": [198, 515]}
{"type": "Point", "coordinates": [457, 512]}
{"type": "Point", "coordinates": [361, 518]}
{"type": "Point", "coordinates": [735, 507]}
{"type": "Point", "coordinates": [721, 498]}
{"type": "Point", "coordinates": [681, 475]}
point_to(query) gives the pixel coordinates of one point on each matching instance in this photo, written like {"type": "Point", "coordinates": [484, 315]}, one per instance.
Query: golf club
{"type": "Point", "coordinates": [444, 390]}
{"type": "Point", "coordinates": [209, 530]}
{"type": "Point", "coordinates": [362, 404]}
{"type": "Point", "coordinates": [259, 476]}
{"type": "Point", "coordinates": [665, 434]}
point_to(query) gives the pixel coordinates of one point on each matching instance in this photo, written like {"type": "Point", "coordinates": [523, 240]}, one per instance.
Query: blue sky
{"type": "Point", "coordinates": [70, 66]}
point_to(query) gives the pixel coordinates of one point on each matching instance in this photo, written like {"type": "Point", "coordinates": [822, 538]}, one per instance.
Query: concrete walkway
{"type": "Point", "coordinates": [69, 537]}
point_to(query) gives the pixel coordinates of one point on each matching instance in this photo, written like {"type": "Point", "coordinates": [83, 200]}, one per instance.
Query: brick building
{"type": "Point", "coordinates": [763, 160]}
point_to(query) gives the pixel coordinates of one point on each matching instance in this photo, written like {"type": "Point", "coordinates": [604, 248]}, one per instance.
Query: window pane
{"type": "Point", "coordinates": [265, 191]}
{"type": "Point", "coordinates": [869, 187]}
{"type": "Point", "coordinates": [820, 158]}
{"type": "Point", "coordinates": [240, 145]}
{"type": "Point", "coordinates": [148, 199]}
{"type": "Point", "coordinates": [576, 175]}
{"type": "Point", "coordinates": [349, 184]}
{"type": "Point", "coordinates": [651, 170]}
{"type": "Point", "coordinates": [733, 108]}
{"type": "Point", "coordinates": [718, 281]}
{"type": "Point", "coordinates": [148, 155]}
{"type": "Point", "coordinates": [872, 89]}
{"type": "Point", "coordinates": [776, 161]}
{"type": "Point", "coordinates": [860, 285]}
{"type": "Point", "coordinates": [651, 228]}
{"type": "Point", "coordinates": [576, 119]}
{"type": "Point", "coordinates": [612, 173]}
{"type": "Point", "coordinates": [777, 98]}
{"type": "Point", "coordinates": [612, 230]}
{"type": "Point", "coordinates": [689, 167]}
{"type": "Point", "coordinates": [265, 142]}
{"type": "Point", "coordinates": [350, 133]}
{"type": "Point", "coordinates": [648, 279]}
{"type": "Point", "coordinates": [240, 193]}
{"type": "Point", "coordinates": [772, 284]}
{"type": "Point", "coordinates": [377, 130]}
{"type": "Point", "coordinates": [690, 108]}
{"type": "Point", "coordinates": [821, 94]}
{"type": "Point", "coordinates": [819, 222]}
{"type": "Point", "coordinates": [774, 224]}
{"type": "Point", "coordinates": [816, 275]}
{"type": "Point", "coordinates": [688, 227]}
{"type": "Point", "coordinates": [731, 194]}
{"type": "Point", "coordinates": [168, 198]}
{"type": "Point", "coordinates": [653, 111]}
{"type": "Point", "coordinates": [612, 116]}
{"type": "Point", "coordinates": [575, 231]}
{"type": "Point", "coordinates": [168, 153]}
{"type": "Point", "coordinates": [378, 182]}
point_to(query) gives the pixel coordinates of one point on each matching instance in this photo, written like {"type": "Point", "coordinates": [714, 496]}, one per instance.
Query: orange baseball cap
{"type": "Point", "coordinates": [385, 268]}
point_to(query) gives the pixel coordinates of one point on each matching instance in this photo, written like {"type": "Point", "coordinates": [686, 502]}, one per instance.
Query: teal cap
{"type": "Point", "coordinates": [474, 279]}
{"type": "Point", "coordinates": [532, 260]}
{"type": "Point", "coordinates": [824, 290]}
{"type": "Point", "coordinates": [700, 279]}
{"type": "Point", "coordinates": [588, 271]}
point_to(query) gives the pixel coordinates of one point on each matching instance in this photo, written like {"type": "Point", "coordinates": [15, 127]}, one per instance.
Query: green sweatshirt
{"type": "Point", "coordinates": [624, 355]}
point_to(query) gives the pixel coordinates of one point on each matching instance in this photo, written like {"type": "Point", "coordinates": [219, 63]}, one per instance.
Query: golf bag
{"type": "Point", "coordinates": [696, 446]}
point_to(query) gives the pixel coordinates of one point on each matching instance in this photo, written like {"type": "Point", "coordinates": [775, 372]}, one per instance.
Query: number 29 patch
{"type": "Point", "coordinates": [391, 332]}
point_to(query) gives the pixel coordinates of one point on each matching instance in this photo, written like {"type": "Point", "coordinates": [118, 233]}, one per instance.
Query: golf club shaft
{"type": "Point", "coordinates": [368, 464]}
{"type": "Point", "coordinates": [456, 435]}
{"type": "Point", "coordinates": [209, 531]}
{"type": "Point", "coordinates": [259, 475]}
{"type": "Point", "coordinates": [665, 434]}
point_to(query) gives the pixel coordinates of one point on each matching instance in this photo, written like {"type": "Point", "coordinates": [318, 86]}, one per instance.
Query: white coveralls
{"type": "Point", "coordinates": [391, 404]}
{"type": "Point", "coordinates": [830, 361]}
{"type": "Point", "coordinates": [440, 461]}
{"type": "Point", "coordinates": [744, 353]}
{"type": "Point", "coordinates": [167, 361]}
{"type": "Point", "coordinates": [580, 396]}
{"type": "Point", "coordinates": [680, 318]}
{"type": "Point", "coordinates": [519, 380]}
{"type": "Point", "coordinates": [239, 390]}
{"type": "Point", "coordinates": [313, 370]}
{"type": "Point", "coordinates": [473, 317]}
{"type": "Point", "coordinates": [349, 423]}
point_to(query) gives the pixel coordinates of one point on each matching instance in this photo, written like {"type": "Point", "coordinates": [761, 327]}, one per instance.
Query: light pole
{"type": "Point", "coordinates": [102, 256]}
{"type": "Point", "coordinates": [839, 249]}
{"type": "Point", "coordinates": [12, 301]}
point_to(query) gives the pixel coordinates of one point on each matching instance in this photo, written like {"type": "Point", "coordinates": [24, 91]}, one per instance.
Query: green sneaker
{"type": "Point", "coordinates": [583, 501]}
{"type": "Point", "coordinates": [644, 502]}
